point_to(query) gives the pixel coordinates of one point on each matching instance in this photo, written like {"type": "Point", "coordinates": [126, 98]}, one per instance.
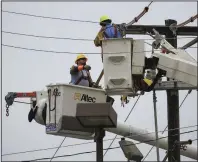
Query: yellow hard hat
{"type": "Point", "coordinates": [148, 81]}
{"type": "Point", "coordinates": [80, 56]}
{"type": "Point", "coordinates": [104, 17]}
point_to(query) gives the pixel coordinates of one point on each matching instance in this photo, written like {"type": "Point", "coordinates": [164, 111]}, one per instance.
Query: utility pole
{"type": "Point", "coordinates": [97, 116]}
{"type": "Point", "coordinates": [99, 135]}
{"type": "Point", "coordinates": [173, 106]}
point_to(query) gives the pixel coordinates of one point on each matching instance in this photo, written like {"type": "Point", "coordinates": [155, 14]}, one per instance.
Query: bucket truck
{"type": "Point", "coordinates": [124, 61]}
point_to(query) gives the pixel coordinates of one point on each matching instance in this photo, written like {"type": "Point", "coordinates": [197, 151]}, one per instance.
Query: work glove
{"type": "Point", "coordinates": [80, 67]}
{"type": "Point", "coordinates": [124, 100]}
{"type": "Point", "coordinates": [87, 67]}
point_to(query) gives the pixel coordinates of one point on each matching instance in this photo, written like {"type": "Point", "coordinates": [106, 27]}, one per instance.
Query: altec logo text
{"type": "Point", "coordinates": [84, 97]}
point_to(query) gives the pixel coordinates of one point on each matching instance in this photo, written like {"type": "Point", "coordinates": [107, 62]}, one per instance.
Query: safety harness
{"type": "Point", "coordinates": [88, 77]}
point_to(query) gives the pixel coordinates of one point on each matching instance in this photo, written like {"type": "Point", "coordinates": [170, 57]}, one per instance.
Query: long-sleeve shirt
{"type": "Point", "coordinates": [76, 74]}
{"type": "Point", "coordinates": [106, 32]}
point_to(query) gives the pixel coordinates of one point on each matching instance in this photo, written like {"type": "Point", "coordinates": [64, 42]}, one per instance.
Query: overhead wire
{"type": "Point", "coordinates": [124, 121]}
{"type": "Point", "coordinates": [167, 125]}
{"type": "Point", "coordinates": [85, 143]}
{"type": "Point", "coordinates": [69, 19]}
{"type": "Point", "coordinates": [191, 19]}
{"type": "Point", "coordinates": [150, 3]}
{"type": "Point", "coordinates": [66, 52]}
{"type": "Point", "coordinates": [48, 17]}
{"type": "Point", "coordinates": [133, 21]}
{"type": "Point", "coordinates": [87, 152]}
{"type": "Point", "coordinates": [48, 37]}
{"type": "Point", "coordinates": [39, 50]}
{"type": "Point", "coordinates": [69, 38]}
{"type": "Point", "coordinates": [58, 148]}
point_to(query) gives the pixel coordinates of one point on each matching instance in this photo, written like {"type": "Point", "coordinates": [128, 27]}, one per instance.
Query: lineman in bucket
{"type": "Point", "coordinates": [80, 74]}
{"type": "Point", "coordinates": [107, 31]}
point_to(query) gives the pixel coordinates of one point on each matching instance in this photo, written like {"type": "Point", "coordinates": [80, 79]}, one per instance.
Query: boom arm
{"type": "Point", "coordinates": [177, 63]}
{"type": "Point", "coordinates": [149, 138]}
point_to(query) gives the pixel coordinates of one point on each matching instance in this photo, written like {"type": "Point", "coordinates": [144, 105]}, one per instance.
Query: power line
{"type": "Point", "coordinates": [48, 37]}
{"type": "Point", "coordinates": [69, 19]}
{"type": "Point", "coordinates": [124, 121]}
{"type": "Point", "coordinates": [68, 38]}
{"type": "Point", "coordinates": [58, 148]}
{"type": "Point", "coordinates": [50, 148]}
{"type": "Point", "coordinates": [66, 52]}
{"type": "Point", "coordinates": [39, 50]}
{"type": "Point", "coordinates": [81, 153]}
{"type": "Point", "coordinates": [150, 3]}
{"type": "Point", "coordinates": [161, 131]}
{"type": "Point", "coordinates": [48, 17]}
{"type": "Point", "coordinates": [85, 143]}
{"type": "Point", "coordinates": [191, 19]}
{"type": "Point", "coordinates": [167, 125]}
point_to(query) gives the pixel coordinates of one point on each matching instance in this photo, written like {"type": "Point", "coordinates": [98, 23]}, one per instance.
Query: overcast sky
{"type": "Point", "coordinates": [25, 71]}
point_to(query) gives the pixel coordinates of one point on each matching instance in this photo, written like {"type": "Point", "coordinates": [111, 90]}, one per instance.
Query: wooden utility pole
{"type": "Point", "coordinates": [173, 106]}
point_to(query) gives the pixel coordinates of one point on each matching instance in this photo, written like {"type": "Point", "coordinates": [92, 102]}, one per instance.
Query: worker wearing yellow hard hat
{"type": "Point", "coordinates": [107, 30]}
{"type": "Point", "coordinates": [105, 20]}
{"type": "Point", "coordinates": [81, 57]}
{"type": "Point", "coordinates": [80, 74]}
